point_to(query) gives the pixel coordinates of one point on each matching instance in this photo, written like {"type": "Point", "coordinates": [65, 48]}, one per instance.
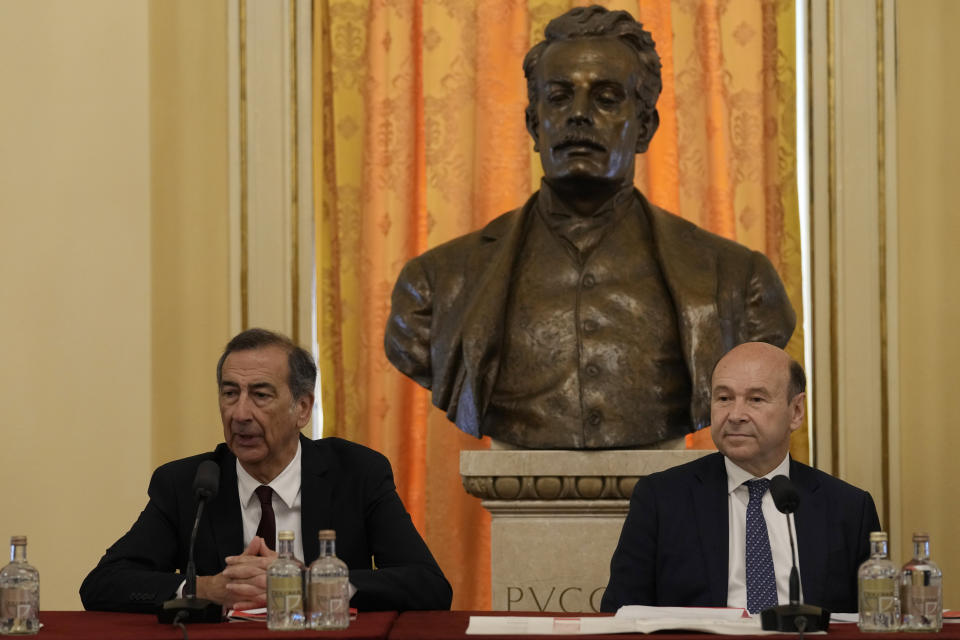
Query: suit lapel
{"type": "Point", "coordinates": [811, 523]}
{"type": "Point", "coordinates": [690, 271]}
{"type": "Point", "coordinates": [316, 500]}
{"type": "Point", "coordinates": [224, 514]}
{"type": "Point", "coordinates": [483, 320]}
{"type": "Point", "coordinates": [710, 503]}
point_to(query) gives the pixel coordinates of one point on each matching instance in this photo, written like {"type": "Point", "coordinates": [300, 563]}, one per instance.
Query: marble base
{"type": "Point", "coordinates": [556, 519]}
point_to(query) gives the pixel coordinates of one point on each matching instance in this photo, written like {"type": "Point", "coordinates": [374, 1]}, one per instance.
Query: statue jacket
{"type": "Point", "coordinates": [449, 308]}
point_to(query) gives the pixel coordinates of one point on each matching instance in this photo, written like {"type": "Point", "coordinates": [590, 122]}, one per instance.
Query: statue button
{"type": "Point", "coordinates": [593, 369]}
{"type": "Point", "coordinates": [589, 326]}
{"type": "Point", "coordinates": [595, 418]}
{"type": "Point", "coordinates": [589, 281]}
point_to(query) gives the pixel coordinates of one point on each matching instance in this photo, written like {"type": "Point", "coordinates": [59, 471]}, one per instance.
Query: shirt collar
{"type": "Point", "coordinates": [286, 485]}
{"type": "Point", "coordinates": [737, 476]}
{"type": "Point", "coordinates": [553, 207]}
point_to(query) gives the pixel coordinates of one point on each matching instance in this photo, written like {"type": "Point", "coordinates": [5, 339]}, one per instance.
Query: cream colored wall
{"type": "Point", "coordinates": [113, 263]}
{"type": "Point", "coordinates": [190, 229]}
{"type": "Point", "coordinates": [929, 192]}
{"type": "Point", "coordinates": [75, 256]}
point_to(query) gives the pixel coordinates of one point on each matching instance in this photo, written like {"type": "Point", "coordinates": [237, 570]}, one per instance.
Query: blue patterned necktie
{"type": "Point", "coordinates": [761, 581]}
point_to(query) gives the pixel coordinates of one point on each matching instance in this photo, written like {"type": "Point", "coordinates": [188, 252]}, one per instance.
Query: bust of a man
{"type": "Point", "coordinates": [588, 318]}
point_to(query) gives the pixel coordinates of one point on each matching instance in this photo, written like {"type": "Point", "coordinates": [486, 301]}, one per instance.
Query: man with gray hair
{"type": "Point", "coordinates": [589, 318]}
{"type": "Point", "coordinates": [272, 478]}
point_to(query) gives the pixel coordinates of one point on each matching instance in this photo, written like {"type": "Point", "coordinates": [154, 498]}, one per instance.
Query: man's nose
{"type": "Point", "coordinates": [580, 109]}
{"type": "Point", "coordinates": [738, 411]}
{"type": "Point", "coordinates": [242, 410]}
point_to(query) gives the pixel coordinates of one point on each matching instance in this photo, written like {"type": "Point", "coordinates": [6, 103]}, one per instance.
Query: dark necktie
{"type": "Point", "coordinates": [268, 524]}
{"type": "Point", "coordinates": [761, 581]}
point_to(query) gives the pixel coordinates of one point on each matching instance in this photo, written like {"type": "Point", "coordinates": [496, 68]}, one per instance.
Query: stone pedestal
{"type": "Point", "coordinates": [556, 519]}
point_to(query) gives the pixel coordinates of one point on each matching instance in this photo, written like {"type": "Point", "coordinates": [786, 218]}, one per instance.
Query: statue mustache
{"type": "Point", "coordinates": [580, 138]}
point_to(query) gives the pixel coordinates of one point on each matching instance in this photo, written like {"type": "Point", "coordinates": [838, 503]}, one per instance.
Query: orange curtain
{"type": "Point", "coordinates": [419, 137]}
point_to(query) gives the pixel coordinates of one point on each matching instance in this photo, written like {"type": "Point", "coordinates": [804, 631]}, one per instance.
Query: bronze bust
{"type": "Point", "coordinates": [588, 318]}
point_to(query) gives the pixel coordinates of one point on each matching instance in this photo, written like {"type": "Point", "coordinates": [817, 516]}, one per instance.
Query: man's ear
{"type": "Point", "coordinates": [647, 123]}
{"type": "Point", "coordinates": [303, 407]}
{"type": "Point", "coordinates": [532, 124]}
{"type": "Point", "coordinates": [798, 409]}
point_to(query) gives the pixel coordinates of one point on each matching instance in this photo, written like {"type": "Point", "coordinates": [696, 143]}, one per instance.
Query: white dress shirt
{"type": "Point", "coordinates": [737, 498]}
{"type": "Point", "coordinates": [286, 503]}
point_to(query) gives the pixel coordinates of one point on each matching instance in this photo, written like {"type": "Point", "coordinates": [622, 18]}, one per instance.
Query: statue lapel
{"type": "Point", "coordinates": [690, 271]}
{"type": "Point", "coordinates": [485, 315]}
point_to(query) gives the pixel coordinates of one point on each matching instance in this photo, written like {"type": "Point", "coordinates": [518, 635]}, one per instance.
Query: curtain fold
{"type": "Point", "coordinates": [419, 137]}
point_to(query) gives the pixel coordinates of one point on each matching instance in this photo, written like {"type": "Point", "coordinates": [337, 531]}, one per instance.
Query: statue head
{"type": "Point", "coordinates": [592, 86]}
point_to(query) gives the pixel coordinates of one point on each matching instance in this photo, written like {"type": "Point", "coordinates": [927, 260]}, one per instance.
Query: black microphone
{"type": "Point", "coordinates": [190, 608]}
{"type": "Point", "coordinates": [205, 487]}
{"type": "Point", "coordinates": [794, 616]}
{"type": "Point", "coordinates": [207, 482]}
{"type": "Point", "coordinates": [786, 499]}
{"type": "Point", "coordinates": [784, 495]}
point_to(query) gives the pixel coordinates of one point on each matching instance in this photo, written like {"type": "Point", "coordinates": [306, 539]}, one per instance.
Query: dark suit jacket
{"type": "Point", "coordinates": [449, 308]}
{"type": "Point", "coordinates": [344, 486]}
{"type": "Point", "coordinates": [673, 549]}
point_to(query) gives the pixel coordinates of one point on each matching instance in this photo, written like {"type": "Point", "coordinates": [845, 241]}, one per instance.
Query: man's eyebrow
{"type": "Point", "coordinates": [258, 386]}
{"type": "Point", "coordinates": [752, 391]}
{"type": "Point", "coordinates": [761, 391]}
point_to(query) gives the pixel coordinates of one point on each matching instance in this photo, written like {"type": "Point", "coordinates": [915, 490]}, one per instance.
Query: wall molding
{"type": "Point", "coordinates": [270, 157]}
{"type": "Point", "coordinates": [852, 56]}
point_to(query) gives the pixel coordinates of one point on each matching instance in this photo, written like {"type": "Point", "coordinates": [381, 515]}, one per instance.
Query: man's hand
{"type": "Point", "coordinates": [243, 584]}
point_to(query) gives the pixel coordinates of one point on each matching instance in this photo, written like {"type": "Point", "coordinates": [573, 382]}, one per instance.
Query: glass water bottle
{"type": "Point", "coordinates": [19, 592]}
{"type": "Point", "coordinates": [878, 588]}
{"type": "Point", "coordinates": [285, 587]}
{"type": "Point", "coordinates": [921, 591]}
{"type": "Point", "coordinates": [328, 589]}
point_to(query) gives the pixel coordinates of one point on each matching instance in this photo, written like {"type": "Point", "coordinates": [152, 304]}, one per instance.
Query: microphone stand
{"type": "Point", "coordinates": [794, 616]}
{"type": "Point", "coordinates": [190, 608]}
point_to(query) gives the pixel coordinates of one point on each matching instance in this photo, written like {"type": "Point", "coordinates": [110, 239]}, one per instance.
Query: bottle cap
{"type": "Point", "coordinates": [878, 536]}
{"type": "Point", "coordinates": [18, 539]}
{"type": "Point", "coordinates": [327, 534]}
{"type": "Point", "coordinates": [285, 535]}
{"type": "Point", "coordinates": [921, 536]}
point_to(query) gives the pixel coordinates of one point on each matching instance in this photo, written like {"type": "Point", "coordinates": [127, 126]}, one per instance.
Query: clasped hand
{"type": "Point", "coordinates": [243, 584]}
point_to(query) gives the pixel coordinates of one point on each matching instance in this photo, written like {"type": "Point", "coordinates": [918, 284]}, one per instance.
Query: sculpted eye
{"type": "Point", "coordinates": [609, 97]}
{"type": "Point", "coordinates": [557, 97]}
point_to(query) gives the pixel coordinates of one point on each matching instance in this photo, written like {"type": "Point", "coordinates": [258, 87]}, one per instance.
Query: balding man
{"type": "Point", "coordinates": [707, 533]}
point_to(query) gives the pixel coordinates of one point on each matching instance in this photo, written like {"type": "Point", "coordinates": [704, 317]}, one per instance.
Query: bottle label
{"type": "Point", "coordinates": [876, 587]}
{"type": "Point", "coordinates": [16, 604]}
{"type": "Point", "coordinates": [285, 593]}
{"type": "Point", "coordinates": [922, 600]}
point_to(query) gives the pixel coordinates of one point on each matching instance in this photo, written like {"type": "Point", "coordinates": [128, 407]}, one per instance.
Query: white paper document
{"type": "Point", "coordinates": [644, 612]}
{"type": "Point", "coordinates": [634, 619]}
